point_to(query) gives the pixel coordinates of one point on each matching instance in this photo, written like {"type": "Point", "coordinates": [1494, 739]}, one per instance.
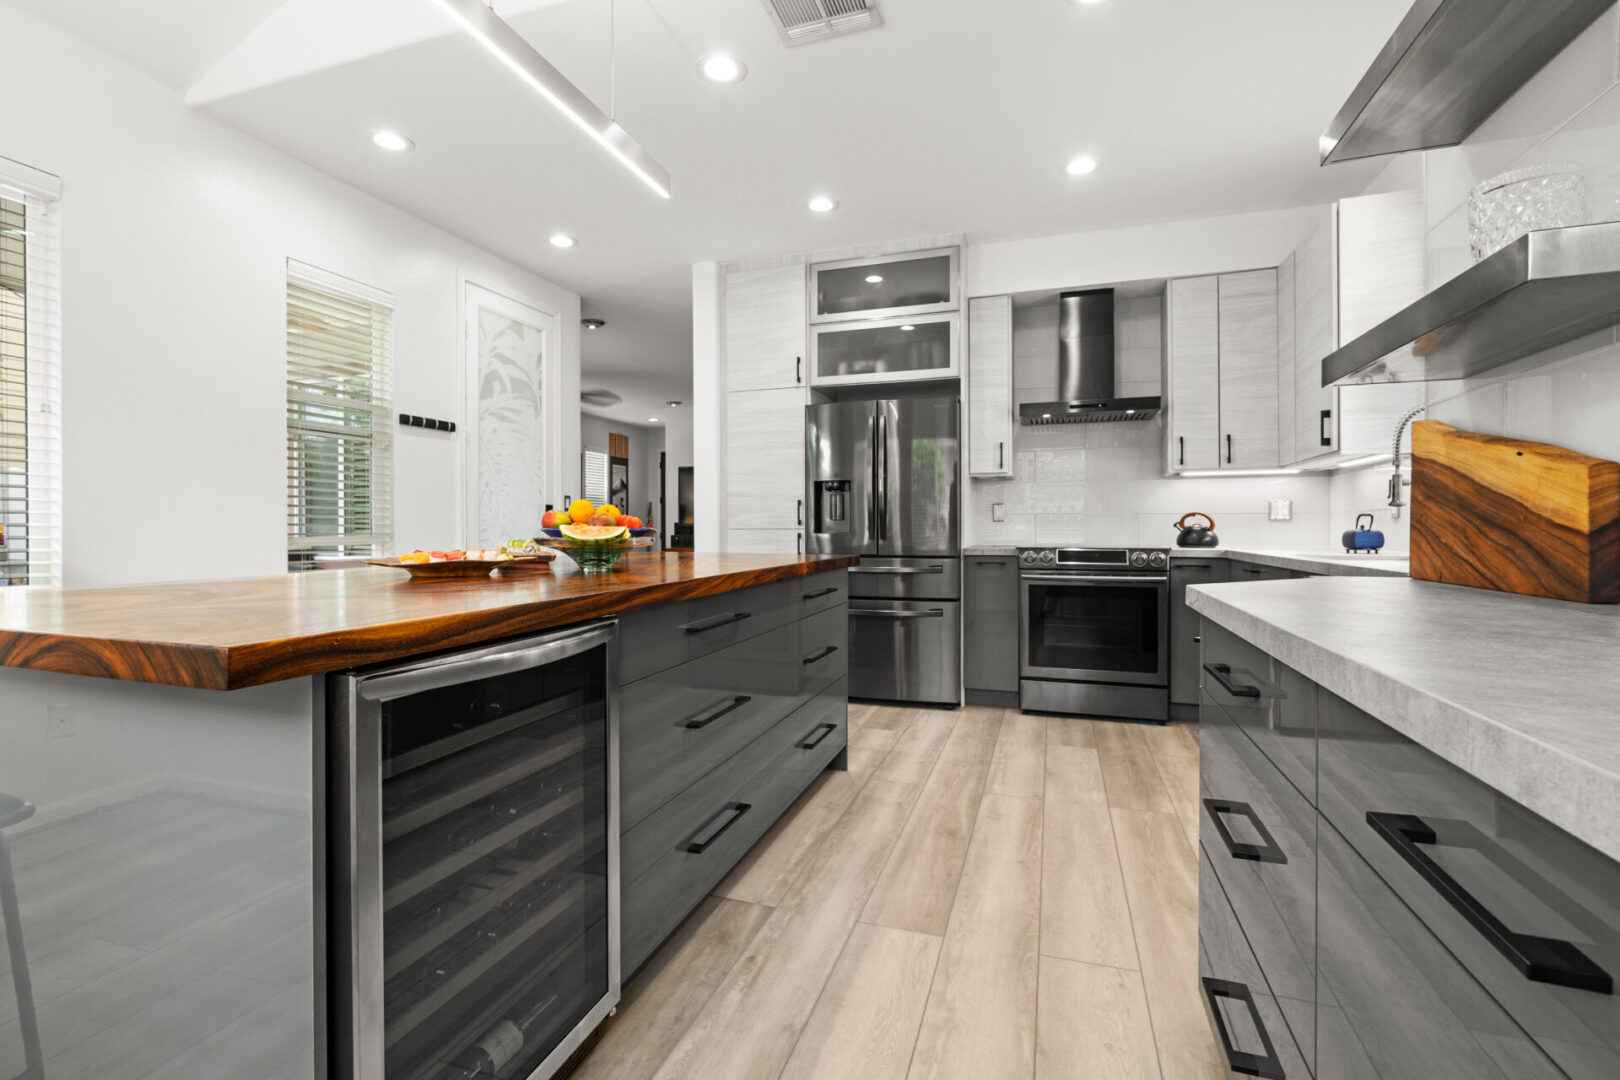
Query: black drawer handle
{"type": "Point", "coordinates": [1264, 852]}
{"type": "Point", "coordinates": [731, 706]}
{"type": "Point", "coordinates": [1264, 1065]}
{"type": "Point", "coordinates": [716, 622]}
{"type": "Point", "coordinates": [819, 595]}
{"type": "Point", "coordinates": [813, 740]}
{"type": "Point", "coordinates": [822, 655]}
{"type": "Point", "coordinates": [716, 827]}
{"type": "Point", "coordinates": [1539, 959]}
{"type": "Point", "coordinates": [1223, 675]}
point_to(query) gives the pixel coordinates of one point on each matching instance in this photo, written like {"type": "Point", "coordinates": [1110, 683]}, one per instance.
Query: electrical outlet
{"type": "Point", "coordinates": [1281, 510]}
{"type": "Point", "coordinates": [998, 511]}
{"type": "Point", "coordinates": [61, 721]}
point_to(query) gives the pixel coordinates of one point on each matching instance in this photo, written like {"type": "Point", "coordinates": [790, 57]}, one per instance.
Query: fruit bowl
{"type": "Point", "coordinates": [595, 549]}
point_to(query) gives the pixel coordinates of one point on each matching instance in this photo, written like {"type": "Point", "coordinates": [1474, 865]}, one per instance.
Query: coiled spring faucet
{"type": "Point", "coordinates": [1395, 499]}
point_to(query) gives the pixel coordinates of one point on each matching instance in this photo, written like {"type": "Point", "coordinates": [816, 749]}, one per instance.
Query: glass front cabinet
{"type": "Point", "coordinates": [885, 318]}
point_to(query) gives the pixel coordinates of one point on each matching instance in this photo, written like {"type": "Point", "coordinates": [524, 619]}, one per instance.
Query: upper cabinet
{"type": "Point", "coordinates": [897, 349]}
{"type": "Point", "coordinates": [989, 386]}
{"type": "Point", "coordinates": [878, 287]}
{"type": "Point", "coordinates": [1361, 263]}
{"type": "Point", "coordinates": [1221, 371]}
{"type": "Point", "coordinates": [765, 329]}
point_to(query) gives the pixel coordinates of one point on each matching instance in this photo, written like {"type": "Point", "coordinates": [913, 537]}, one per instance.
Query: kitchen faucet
{"type": "Point", "coordinates": [1395, 500]}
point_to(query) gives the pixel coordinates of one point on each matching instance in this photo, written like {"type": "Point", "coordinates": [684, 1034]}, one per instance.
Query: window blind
{"type": "Point", "coordinates": [30, 380]}
{"type": "Point", "coordinates": [594, 476]}
{"type": "Point", "coordinates": [340, 444]}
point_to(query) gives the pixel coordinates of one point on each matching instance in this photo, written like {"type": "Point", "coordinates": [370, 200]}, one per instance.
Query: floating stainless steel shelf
{"type": "Point", "coordinates": [1448, 66]}
{"type": "Point", "coordinates": [1545, 288]}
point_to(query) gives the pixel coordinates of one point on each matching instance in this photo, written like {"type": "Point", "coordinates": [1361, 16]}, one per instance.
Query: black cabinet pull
{"type": "Point", "coordinates": [819, 595]}
{"type": "Point", "coordinates": [1327, 427]}
{"type": "Point", "coordinates": [1181, 444]}
{"type": "Point", "coordinates": [800, 512]}
{"type": "Point", "coordinates": [813, 740]}
{"type": "Point", "coordinates": [735, 703]}
{"type": "Point", "coordinates": [1539, 959]}
{"type": "Point", "coordinates": [715, 622]}
{"type": "Point", "coordinates": [1222, 674]}
{"type": "Point", "coordinates": [1265, 1065]}
{"type": "Point", "coordinates": [716, 827]}
{"type": "Point", "coordinates": [798, 544]}
{"type": "Point", "coordinates": [798, 369]}
{"type": "Point", "coordinates": [1001, 455]}
{"type": "Point", "coordinates": [822, 655]}
{"type": "Point", "coordinates": [1263, 852]}
{"type": "Point", "coordinates": [1229, 449]}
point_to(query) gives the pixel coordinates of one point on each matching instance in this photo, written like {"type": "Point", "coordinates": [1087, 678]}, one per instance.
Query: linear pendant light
{"type": "Point", "coordinates": [509, 47]}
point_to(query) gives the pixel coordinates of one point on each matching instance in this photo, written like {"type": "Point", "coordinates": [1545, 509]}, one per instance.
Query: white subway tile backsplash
{"type": "Point", "coordinates": [1051, 498]}
{"type": "Point", "coordinates": [1060, 466]}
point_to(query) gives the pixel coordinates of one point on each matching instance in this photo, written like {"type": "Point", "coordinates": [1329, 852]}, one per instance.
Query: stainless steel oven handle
{"type": "Point", "coordinates": [931, 613]}
{"type": "Point", "coordinates": [1111, 579]}
{"type": "Point", "coordinates": [896, 570]}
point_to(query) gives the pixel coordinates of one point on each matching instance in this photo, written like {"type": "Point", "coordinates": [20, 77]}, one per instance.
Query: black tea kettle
{"type": "Point", "coordinates": [1197, 536]}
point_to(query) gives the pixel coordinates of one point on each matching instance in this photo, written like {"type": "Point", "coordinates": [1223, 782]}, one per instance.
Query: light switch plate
{"type": "Point", "coordinates": [1282, 510]}
{"type": "Point", "coordinates": [998, 511]}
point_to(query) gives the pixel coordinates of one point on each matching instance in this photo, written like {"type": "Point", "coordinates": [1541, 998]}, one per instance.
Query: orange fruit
{"type": "Point", "coordinates": [580, 509]}
{"type": "Point", "coordinates": [630, 521]}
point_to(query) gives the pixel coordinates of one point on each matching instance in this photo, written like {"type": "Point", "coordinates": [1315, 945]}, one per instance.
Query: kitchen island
{"type": "Point", "coordinates": [1410, 858]}
{"type": "Point", "coordinates": [172, 859]}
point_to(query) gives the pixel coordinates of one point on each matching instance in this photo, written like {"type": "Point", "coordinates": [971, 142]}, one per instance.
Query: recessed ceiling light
{"type": "Point", "coordinates": [874, 279]}
{"type": "Point", "coordinates": [386, 139]}
{"type": "Point", "coordinates": [652, 419]}
{"type": "Point", "coordinates": [673, 404]}
{"type": "Point", "coordinates": [593, 324]}
{"type": "Point", "coordinates": [1085, 3]}
{"type": "Point", "coordinates": [563, 240]}
{"type": "Point", "coordinates": [908, 326]}
{"type": "Point", "coordinates": [822, 204]}
{"type": "Point", "coordinates": [720, 68]}
{"type": "Point", "coordinates": [1081, 166]}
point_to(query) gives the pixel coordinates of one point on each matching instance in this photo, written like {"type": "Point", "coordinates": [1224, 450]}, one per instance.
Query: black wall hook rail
{"type": "Point", "coordinates": [426, 423]}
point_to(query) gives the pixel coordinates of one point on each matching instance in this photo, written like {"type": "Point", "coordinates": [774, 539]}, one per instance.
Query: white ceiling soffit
{"type": "Point", "coordinates": [303, 37]}
{"type": "Point", "coordinates": [804, 21]}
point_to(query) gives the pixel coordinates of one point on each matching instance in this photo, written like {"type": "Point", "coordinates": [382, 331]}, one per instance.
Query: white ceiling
{"type": "Point", "coordinates": [956, 116]}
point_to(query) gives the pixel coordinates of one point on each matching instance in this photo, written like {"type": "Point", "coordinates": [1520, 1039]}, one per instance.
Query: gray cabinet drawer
{"type": "Point", "coordinates": [1425, 826]}
{"type": "Point", "coordinates": [656, 638]}
{"type": "Point", "coordinates": [821, 653]}
{"type": "Point", "coordinates": [818, 592]}
{"type": "Point", "coordinates": [990, 623]}
{"type": "Point", "coordinates": [1395, 1003]}
{"type": "Point", "coordinates": [1246, 571]}
{"type": "Point", "coordinates": [1185, 623]}
{"type": "Point", "coordinates": [1259, 834]}
{"type": "Point", "coordinates": [823, 731]}
{"type": "Point", "coordinates": [1273, 704]}
{"type": "Point", "coordinates": [1246, 1016]}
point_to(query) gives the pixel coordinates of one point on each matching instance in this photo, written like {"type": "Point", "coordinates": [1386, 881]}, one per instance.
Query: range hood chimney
{"type": "Point", "coordinates": [1086, 367]}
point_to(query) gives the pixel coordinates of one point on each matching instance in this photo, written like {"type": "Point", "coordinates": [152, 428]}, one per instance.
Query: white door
{"type": "Point", "coordinates": [1248, 336]}
{"type": "Point", "coordinates": [512, 440]}
{"type": "Point", "coordinates": [765, 456]}
{"type": "Point", "coordinates": [1194, 361]}
{"type": "Point", "coordinates": [765, 329]}
{"type": "Point", "coordinates": [990, 404]}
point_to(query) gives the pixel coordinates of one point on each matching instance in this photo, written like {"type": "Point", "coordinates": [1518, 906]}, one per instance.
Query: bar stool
{"type": "Point", "coordinates": [14, 811]}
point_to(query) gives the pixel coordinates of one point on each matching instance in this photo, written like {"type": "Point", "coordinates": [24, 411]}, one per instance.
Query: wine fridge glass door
{"type": "Point", "coordinates": [487, 931]}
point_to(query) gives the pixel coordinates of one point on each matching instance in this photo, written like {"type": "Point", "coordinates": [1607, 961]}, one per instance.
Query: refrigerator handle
{"type": "Point", "coordinates": [880, 498]}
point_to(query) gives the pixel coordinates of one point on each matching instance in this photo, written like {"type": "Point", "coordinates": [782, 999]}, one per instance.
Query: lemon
{"type": "Point", "coordinates": [580, 510]}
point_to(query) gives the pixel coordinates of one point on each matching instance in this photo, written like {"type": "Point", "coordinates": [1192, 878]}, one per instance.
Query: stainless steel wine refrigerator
{"type": "Point", "coordinates": [473, 870]}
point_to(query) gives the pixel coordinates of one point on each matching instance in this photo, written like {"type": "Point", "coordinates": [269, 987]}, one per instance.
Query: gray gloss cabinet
{"type": "Point", "coordinates": [1185, 623]}
{"type": "Point", "coordinates": [990, 623]}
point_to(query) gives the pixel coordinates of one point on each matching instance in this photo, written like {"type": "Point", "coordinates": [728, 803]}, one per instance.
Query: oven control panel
{"type": "Point", "coordinates": [1144, 560]}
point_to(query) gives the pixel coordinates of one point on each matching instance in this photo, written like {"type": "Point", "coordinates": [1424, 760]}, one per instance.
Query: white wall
{"type": "Point", "coordinates": [679, 450]}
{"type": "Point", "coordinates": [708, 404]}
{"type": "Point", "coordinates": [645, 443]}
{"type": "Point", "coordinates": [175, 236]}
{"type": "Point", "coordinates": [1570, 396]}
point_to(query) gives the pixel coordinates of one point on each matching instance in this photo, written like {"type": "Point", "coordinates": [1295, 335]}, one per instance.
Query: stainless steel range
{"type": "Point", "coordinates": [1094, 631]}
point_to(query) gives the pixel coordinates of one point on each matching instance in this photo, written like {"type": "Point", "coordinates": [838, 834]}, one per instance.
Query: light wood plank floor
{"type": "Point", "coordinates": [986, 894]}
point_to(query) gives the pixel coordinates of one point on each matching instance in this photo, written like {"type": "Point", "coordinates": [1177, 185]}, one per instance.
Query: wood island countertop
{"type": "Point", "coordinates": [225, 635]}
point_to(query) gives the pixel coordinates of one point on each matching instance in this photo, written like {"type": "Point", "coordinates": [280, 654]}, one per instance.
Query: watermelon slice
{"type": "Point", "coordinates": [594, 534]}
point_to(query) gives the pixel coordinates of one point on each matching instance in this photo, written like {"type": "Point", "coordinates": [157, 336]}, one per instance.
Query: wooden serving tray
{"type": "Point", "coordinates": [465, 569]}
{"type": "Point", "coordinates": [1515, 516]}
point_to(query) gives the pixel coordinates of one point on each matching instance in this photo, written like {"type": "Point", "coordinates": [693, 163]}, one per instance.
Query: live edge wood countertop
{"type": "Point", "coordinates": [226, 635]}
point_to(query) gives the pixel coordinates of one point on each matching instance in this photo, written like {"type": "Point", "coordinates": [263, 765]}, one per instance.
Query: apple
{"type": "Point", "coordinates": [555, 518]}
{"type": "Point", "coordinates": [602, 519]}
{"type": "Point", "coordinates": [630, 521]}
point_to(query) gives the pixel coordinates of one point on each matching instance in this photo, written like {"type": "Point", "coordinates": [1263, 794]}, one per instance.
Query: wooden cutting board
{"type": "Point", "coordinates": [1520, 517]}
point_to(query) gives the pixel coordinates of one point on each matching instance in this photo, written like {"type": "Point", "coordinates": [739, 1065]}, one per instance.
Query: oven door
{"type": "Point", "coordinates": [1095, 627]}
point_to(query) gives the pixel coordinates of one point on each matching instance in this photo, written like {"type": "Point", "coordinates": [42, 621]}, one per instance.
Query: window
{"type": "Point", "coordinates": [594, 476]}
{"type": "Point", "coordinates": [30, 380]}
{"type": "Point", "coordinates": [340, 441]}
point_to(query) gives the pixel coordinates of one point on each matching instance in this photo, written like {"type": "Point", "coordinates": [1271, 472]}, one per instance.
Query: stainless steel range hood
{"type": "Point", "coordinates": [1086, 367]}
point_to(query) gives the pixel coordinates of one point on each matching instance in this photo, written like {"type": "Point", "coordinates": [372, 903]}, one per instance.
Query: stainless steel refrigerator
{"type": "Point", "coordinates": [884, 483]}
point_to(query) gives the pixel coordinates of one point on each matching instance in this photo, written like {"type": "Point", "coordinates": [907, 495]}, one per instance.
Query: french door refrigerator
{"type": "Point", "coordinates": [884, 483]}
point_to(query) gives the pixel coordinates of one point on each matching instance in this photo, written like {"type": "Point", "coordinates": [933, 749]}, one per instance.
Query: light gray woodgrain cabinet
{"type": "Point", "coordinates": [1287, 433]}
{"type": "Point", "coordinates": [765, 458]}
{"type": "Point", "coordinates": [1193, 359]}
{"type": "Point", "coordinates": [1221, 371]}
{"type": "Point", "coordinates": [989, 392]}
{"type": "Point", "coordinates": [1360, 264]}
{"type": "Point", "coordinates": [765, 330]}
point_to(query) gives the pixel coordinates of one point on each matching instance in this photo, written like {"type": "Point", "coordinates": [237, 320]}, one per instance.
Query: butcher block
{"type": "Point", "coordinates": [1520, 517]}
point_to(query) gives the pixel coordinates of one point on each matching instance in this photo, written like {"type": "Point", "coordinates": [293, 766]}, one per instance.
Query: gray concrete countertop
{"type": "Point", "coordinates": [1310, 562]}
{"type": "Point", "coordinates": [1520, 692]}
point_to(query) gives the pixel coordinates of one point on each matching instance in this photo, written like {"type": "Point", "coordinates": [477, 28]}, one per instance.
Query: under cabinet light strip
{"type": "Point", "coordinates": [510, 48]}
{"type": "Point", "coordinates": [1209, 473]}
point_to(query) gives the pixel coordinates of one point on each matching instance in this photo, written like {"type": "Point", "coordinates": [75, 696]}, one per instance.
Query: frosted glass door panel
{"type": "Point", "coordinates": [887, 350]}
{"type": "Point", "coordinates": [508, 344]}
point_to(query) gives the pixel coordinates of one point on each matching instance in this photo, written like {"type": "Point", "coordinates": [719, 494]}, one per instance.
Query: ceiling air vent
{"type": "Point", "coordinates": [804, 21]}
